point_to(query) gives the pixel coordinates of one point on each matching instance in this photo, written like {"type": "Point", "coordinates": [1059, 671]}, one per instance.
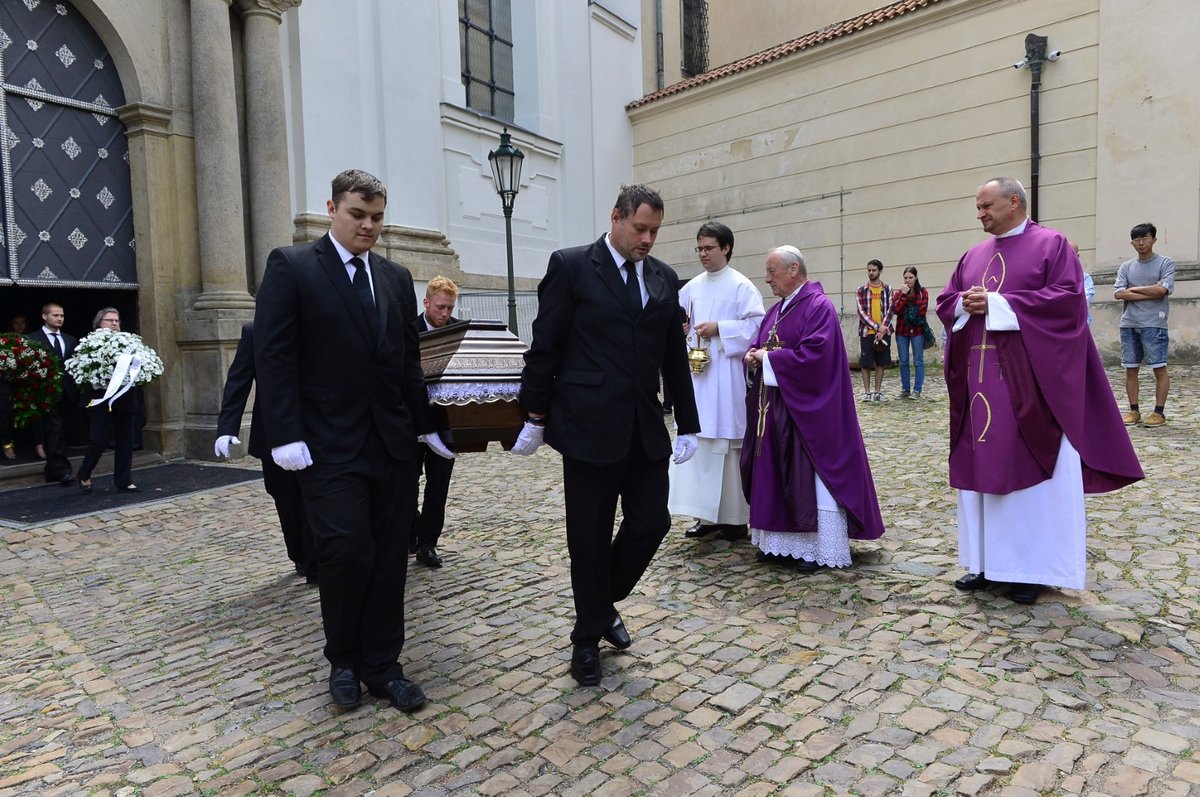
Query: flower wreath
{"type": "Point", "coordinates": [35, 375]}
{"type": "Point", "coordinates": [113, 362]}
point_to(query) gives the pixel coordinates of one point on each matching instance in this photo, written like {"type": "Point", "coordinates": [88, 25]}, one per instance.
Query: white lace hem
{"type": "Point", "coordinates": [829, 545]}
{"type": "Point", "coordinates": [461, 393]}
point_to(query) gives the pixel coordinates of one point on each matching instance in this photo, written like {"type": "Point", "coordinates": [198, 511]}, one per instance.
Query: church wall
{"type": "Point", "coordinates": [873, 145]}
{"type": "Point", "coordinates": [431, 150]}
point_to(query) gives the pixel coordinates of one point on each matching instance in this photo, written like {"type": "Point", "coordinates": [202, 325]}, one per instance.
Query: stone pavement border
{"type": "Point", "coordinates": [169, 650]}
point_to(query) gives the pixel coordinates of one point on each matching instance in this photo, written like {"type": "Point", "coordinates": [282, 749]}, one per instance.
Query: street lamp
{"type": "Point", "coordinates": [506, 175]}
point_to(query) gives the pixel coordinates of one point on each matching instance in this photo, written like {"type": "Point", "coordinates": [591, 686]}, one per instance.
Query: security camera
{"type": "Point", "coordinates": [1021, 63]}
{"type": "Point", "coordinates": [1054, 56]}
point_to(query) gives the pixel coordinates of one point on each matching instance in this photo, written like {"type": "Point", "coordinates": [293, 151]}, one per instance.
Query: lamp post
{"type": "Point", "coordinates": [506, 175]}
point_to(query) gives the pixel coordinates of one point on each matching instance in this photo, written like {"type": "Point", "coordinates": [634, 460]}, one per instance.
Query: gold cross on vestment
{"type": "Point", "coordinates": [982, 347]}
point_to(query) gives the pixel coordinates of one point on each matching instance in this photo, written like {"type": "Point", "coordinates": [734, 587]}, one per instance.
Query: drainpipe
{"type": "Point", "coordinates": [659, 59]}
{"type": "Point", "coordinates": [1035, 57]}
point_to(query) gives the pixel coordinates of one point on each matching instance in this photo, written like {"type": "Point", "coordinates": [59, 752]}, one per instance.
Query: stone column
{"type": "Point", "coordinates": [270, 184]}
{"type": "Point", "coordinates": [218, 168]}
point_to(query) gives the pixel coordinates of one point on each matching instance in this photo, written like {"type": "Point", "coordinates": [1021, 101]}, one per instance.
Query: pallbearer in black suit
{"type": "Point", "coordinates": [57, 422]}
{"type": "Point", "coordinates": [282, 485]}
{"type": "Point", "coordinates": [440, 296]}
{"type": "Point", "coordinates": [345, 405]}
{"type": "Point", "coordinates": [608, 322]}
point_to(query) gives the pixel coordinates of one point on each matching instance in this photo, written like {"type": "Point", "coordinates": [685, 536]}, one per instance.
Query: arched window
{"type": "Point", "coordinates": [64, 159]}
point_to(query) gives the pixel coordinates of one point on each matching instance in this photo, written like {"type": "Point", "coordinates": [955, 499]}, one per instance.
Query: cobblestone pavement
{"type": "Point", "coordinates": [170, 650]}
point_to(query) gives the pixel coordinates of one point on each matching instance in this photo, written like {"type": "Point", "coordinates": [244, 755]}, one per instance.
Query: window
{"type": "Point", "coordinates": [695, 37]}
{"type": "Point", "coordinates": [485, 41]}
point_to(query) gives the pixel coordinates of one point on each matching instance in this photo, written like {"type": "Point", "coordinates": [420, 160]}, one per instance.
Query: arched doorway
{"type": "Point", "coordinates": [67, 212]}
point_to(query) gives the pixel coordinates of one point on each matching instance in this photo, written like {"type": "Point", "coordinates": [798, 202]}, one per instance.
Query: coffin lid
{"type": "Point", "coordinates": [472, 351]}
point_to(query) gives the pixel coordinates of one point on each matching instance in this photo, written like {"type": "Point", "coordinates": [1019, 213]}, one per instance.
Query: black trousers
{"type": "Point", "coordinates": [105, 425]}
{"type": "Point", "coordinates": [54, 440]}
{"type": "Point", "coordinates": [432, 516]}
{"type": "Point", "coordinates": [361, 515]}
{"type": "Point", "coordinates": [284, 487]}
{"type": "Point", "coordinates": [604, 568]}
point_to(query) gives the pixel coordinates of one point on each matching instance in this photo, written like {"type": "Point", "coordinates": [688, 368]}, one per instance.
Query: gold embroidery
{"type": "Point", "coordinates": [987, 418]}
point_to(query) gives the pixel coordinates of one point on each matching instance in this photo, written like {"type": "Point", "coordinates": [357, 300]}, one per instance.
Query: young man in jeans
{"type": "Point", "coordinates": [1144, 283]}
{"type": "Point", "coordinates": [874, 330]}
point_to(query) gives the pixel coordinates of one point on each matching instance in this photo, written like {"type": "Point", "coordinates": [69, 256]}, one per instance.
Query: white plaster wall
{"type": "Point", "coordinates": [376, 85]}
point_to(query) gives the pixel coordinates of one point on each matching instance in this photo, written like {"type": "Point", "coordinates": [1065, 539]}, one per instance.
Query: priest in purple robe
{"type": "Point", "coordinates": [1033, 421]}
{"type": "Point", "coordinates": [804, 467]}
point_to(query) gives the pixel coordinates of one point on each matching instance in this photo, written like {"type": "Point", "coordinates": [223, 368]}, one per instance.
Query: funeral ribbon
{"type": "Point", "coordinates": [125, 373]}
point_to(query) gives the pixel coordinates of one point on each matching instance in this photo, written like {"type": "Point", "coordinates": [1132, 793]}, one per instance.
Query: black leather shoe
{"type": "Point", "coordinates": [701, 529]}
{"type": "Point", "coordinates": [585, 664]}
{"type": "Point", "coordinates": [734, 533]}
{"type": "Point", "coordinates": [67, 481]}
{"type": "Point", "coordinates": [1024, 593]}
{"type": "Point", "coordinates": [972, 581]}
{"type": "Point", "coordinates": [805, 566]}
{"type": "Point", "coordinates": [768, 558]}
{"type": "Point", "coordinates": [402, 693]}
{"type": "Point", "coordinates": [343, 687]}
{"type": "Point", "coordinates": [616, 634]}
{"type": "Point", "coordinates": [428, 555]}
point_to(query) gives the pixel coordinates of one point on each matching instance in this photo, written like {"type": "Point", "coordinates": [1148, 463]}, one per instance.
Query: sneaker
{"type": "Point", "coordinates": [1154, 419]}
{"type": "Point", "coordinates": [1132, 418]}
{"type": "Point", "coordinates": [868, 397]}
{"type": "Point", "coordinates": [880, 397]}
{"type": "Point", "coordinates": [905, 394]}
{"type": "Point", "coordinates": [916, 396]}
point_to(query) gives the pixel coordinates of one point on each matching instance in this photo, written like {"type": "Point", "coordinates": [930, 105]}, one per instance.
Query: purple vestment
{"type": "Point", "coordinates": [810, 423]}
{"type": "Point", "coordinates": [1014, 394]}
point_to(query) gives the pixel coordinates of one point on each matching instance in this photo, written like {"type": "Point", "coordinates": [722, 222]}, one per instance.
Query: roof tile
{"type": "Point", "coordinates": [830, 32]}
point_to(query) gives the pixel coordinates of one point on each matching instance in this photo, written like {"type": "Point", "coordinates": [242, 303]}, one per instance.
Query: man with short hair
{"type": "Point", "coordinates": [60, 419]}
{"type": "Point", "coordinates": [874, 330]}
{"type": "Point", "coordinates": [724, 310]}
{"type": "Point", "coordinates": [1145, 284]}
{"type": "Point", "coordinates": [1033, 421]}
{"type": "Point", "coordinates": [608, 322]}
{"type": "Point", "coordinates": [339, 369]}
{"type": "Point", "coordinates": [804, 466]}
{"type": "Point", "coordinates": [440, 296]}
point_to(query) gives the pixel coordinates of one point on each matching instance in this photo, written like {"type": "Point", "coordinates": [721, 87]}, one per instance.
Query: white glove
{"type": "Point", "coordinates": [685, 448]}
{"type": "Point", "coordinates": [221, 449]}
{"type": "Point", "coordinates": [293, 456]}
{"type": "Point", "coordinates": [436, 445]}
{"type": "Point", "coordinates": [529, 440]}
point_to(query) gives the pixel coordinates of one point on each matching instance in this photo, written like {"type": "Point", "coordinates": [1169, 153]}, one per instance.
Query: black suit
{"type": "Point", "coordinates": [57, 422]}
{"type": "Point", "coordinates": [352, 390]}
{"type": "Point", "coordinates": [593, 370]}
{"type": "Point", "coordinates": [428, 526]}
{"type": "Point", "coordinates": [282, 485]}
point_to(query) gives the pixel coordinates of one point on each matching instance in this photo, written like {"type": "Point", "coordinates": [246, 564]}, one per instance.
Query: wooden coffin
{"type": "Point", "coordinates": [473, 371]}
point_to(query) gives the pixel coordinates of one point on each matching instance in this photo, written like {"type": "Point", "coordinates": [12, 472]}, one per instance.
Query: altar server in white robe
{"type": "Point", "coordinates": [724, 311]}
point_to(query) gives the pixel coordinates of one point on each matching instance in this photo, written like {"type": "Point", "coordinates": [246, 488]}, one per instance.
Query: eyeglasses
{"type": "Point", "coordinates": [703, 250]}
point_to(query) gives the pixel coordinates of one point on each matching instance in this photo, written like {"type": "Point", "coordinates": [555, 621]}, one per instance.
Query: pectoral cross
{"type": "Point", "coordinates": [982, 348]}
{"type": "Point", "coordinates": [773, 341]}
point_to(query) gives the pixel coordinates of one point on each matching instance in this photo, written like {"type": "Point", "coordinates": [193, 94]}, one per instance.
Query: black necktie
{"type": "Point", "coordinates": [362, 286]}
{"type": "Point", "coordinates": [58, 345]}
{"type": "Point", "coordinates": [631, 286]}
